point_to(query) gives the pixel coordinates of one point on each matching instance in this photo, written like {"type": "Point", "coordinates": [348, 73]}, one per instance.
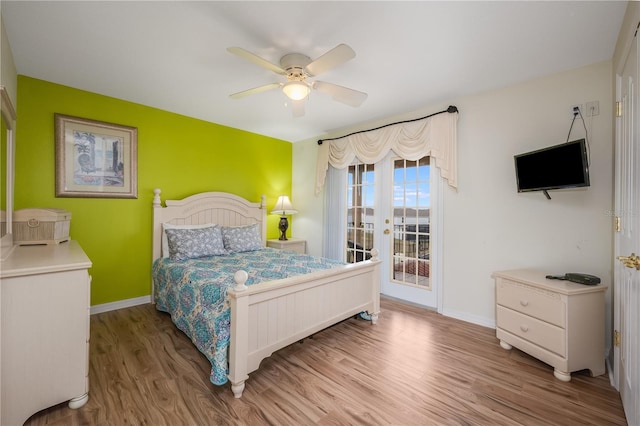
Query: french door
{"type": "Point", "coordinates": [627, 240]}
{"type": "Point", "coordinates": [390, 206]}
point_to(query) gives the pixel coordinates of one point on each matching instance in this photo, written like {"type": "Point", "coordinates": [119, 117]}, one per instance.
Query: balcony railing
{"type": "Point", "coordinates": [411, 241]}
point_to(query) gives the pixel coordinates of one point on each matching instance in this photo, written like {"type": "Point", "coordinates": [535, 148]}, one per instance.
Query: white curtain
{"type": "Point", "coordinates": [435, 136]}
{"type": "Point", "coordinates": [335, 208]}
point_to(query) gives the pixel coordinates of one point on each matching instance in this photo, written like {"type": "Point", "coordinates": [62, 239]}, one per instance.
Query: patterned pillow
{"type": "Point", "coordinates": [195, 242]}
{"type": "Point", "coordinates": [242, 238]}
{"type": "Point", "coordinates": [165, 226]}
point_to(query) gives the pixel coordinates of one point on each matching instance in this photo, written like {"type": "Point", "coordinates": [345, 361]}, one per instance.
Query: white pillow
{"type": "Point", "coordinates": [165, 241]}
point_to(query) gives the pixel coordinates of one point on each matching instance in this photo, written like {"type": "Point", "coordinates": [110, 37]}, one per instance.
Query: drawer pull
{"type": "Point", "coordinates": [524, 328]}
{"type": "Point", "coordinates": [524, 302]}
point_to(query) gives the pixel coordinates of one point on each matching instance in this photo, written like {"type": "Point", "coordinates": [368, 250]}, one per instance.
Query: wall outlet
{"type": "Point", "coordinates": [592, 108]}
{"type": "Point", "coordinates": [572, 109]}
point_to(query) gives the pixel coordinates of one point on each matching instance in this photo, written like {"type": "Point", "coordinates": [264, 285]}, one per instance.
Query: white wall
{"type": "Point", "coordinates": [8, 74]}
{"type": "Point", "coordinates": [307, 224]}
{"type": "Point", "coordinates": [489, 226]}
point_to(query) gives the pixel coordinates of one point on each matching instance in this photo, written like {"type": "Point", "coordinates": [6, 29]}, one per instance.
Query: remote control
{"type": "Point", "coordinates": [556, 277]}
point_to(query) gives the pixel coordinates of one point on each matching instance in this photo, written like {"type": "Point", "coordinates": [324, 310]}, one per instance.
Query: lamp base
{"type": "Point", "coordinates": [283, 225]}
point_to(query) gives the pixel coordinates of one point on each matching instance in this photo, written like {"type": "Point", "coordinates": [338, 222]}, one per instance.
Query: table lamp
{"type": "Point", "coordinates": [283, 207]}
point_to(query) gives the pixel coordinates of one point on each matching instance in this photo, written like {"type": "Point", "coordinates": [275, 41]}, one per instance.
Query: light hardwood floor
{"type": "Point", "coordinates": [414, 367]}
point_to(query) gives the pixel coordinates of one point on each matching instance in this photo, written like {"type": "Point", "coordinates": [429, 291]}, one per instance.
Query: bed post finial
{"type": "Point", "coordinates": [263, 201]}
{"type": "Point", "coordinates": [156, 198]}
{"type": "Point", "coordinates": [240, 278]}
{"type": "Point", "coordinates": [374, 253]}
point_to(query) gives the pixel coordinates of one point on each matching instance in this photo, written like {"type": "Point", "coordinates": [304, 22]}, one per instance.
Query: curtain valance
{"type": "Point", "coordinates": [434, 135]}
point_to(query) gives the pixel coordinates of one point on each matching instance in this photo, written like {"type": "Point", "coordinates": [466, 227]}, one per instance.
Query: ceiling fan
{"type": "Point", "coordinates": [297, 68]}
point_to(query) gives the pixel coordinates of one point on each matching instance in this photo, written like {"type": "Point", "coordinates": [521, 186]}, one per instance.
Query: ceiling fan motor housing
{"type": "Point", "coordinates": [293, 64]}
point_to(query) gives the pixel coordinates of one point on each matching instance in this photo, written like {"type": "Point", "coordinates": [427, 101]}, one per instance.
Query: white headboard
{"type": "Point", "coordinates": [221, 208]}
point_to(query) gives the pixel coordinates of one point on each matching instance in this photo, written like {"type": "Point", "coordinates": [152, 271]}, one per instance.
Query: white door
{"type": "Point", "coordinates": [627, 241]}
{"type": "Point", "coordinates": [391, 207]}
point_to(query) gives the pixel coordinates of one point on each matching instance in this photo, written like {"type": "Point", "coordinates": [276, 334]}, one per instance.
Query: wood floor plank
{"type": "Point", "coordinates": [414, 367]}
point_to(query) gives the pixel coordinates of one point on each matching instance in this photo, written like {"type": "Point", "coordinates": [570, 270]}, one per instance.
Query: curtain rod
{"type": "Point", "coordinates": [450, 110]}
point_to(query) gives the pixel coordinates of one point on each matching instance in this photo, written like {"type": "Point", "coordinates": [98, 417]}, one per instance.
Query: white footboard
{"type": "Point", "coordinates": [267, 317]}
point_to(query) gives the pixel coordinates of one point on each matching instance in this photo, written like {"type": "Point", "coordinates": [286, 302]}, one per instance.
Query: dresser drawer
{"type": "Point", "coordinates": [544, 305]}
{"type": "Point", "coordinates": [538, 332]}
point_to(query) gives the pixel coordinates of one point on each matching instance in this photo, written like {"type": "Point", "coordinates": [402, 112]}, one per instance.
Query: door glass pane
{"type": "Point", "coordinates": [360, 212]}
{"type": "Point", "coordinates": [411, 214]}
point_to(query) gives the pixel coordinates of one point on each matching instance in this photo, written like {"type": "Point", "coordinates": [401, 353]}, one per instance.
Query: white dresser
{"type": "Point", "coordinates": [559, 322]}
{"type": "Point", "coordinates": [45, 329]}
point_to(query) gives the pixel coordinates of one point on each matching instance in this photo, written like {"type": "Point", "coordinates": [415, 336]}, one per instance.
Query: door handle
{"type": "Point", "coordinates": [386, 231]}
{"type": "Point", "coordinates": [632, 261]}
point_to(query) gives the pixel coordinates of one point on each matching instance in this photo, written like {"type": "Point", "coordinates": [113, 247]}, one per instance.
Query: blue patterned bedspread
{"type": "Point", "coordinates": [194, 293]}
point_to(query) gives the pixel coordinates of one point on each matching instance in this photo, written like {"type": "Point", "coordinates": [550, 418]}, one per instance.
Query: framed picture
{"type": "Point", "coordinates": [95, 159]}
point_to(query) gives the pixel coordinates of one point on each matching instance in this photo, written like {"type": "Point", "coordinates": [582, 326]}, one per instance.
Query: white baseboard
{"type": "Point", "coordinates": [120, 304]}
{"type": "Point", "coordinates": [485, 322]}
{"type": "Point", "coordinates": [474, 319]}
{"type": "Point", "coordinates": [407, 302]}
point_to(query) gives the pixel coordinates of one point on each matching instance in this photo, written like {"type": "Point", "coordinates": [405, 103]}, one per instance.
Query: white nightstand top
{"type": "Point", "coordinates": [293, 244]}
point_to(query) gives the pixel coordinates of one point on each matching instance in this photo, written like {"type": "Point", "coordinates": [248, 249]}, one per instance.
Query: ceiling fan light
{"type": "Point", "coordinates": [296, 90]}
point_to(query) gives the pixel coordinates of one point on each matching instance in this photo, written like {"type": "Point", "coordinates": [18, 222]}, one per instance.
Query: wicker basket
{"type": "Point", "coordinates": [41, 226]}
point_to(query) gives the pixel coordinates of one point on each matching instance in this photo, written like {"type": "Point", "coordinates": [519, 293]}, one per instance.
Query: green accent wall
{"type": "Point", "coordinates": [178, 154]}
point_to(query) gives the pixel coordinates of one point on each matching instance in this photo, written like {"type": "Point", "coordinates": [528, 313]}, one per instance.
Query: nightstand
{"type": "Point", "coordinates": [292, 244]}
{"type": "Point", "coordinates": [559, 322]}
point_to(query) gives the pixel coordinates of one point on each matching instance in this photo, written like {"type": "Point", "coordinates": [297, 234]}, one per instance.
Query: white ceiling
{"type": "Point", "coordinates": [173, 55]}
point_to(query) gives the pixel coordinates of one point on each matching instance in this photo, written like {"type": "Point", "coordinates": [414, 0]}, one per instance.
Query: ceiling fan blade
{"type": "Point", "coordinates": [336, 56]}
{"type": "Point", "coordinates": [256, 59]}
{"type": "Point", "coordinates": [342, 94]}
{"type": "Point", "coordinates": [297, 107]}
{"type": "Point", "coordinates": [255, 90]}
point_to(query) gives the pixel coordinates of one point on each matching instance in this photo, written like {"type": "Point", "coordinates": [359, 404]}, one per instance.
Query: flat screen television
{"type": "Point", "coordinates": [555, 167]}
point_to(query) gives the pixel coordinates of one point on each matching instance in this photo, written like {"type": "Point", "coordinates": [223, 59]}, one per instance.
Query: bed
{"type": "Point", "coordinates": [251, 315]}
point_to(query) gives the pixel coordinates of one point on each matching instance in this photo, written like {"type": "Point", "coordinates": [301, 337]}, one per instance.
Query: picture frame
{"type": "Point", "coordinates": [95, 159]}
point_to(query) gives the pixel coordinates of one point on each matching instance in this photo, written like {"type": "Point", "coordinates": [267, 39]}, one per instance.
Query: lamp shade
{"type": "Point", "coordinates": [283, 206]}
{"type": "Point", "coordinates": [296, 90]}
